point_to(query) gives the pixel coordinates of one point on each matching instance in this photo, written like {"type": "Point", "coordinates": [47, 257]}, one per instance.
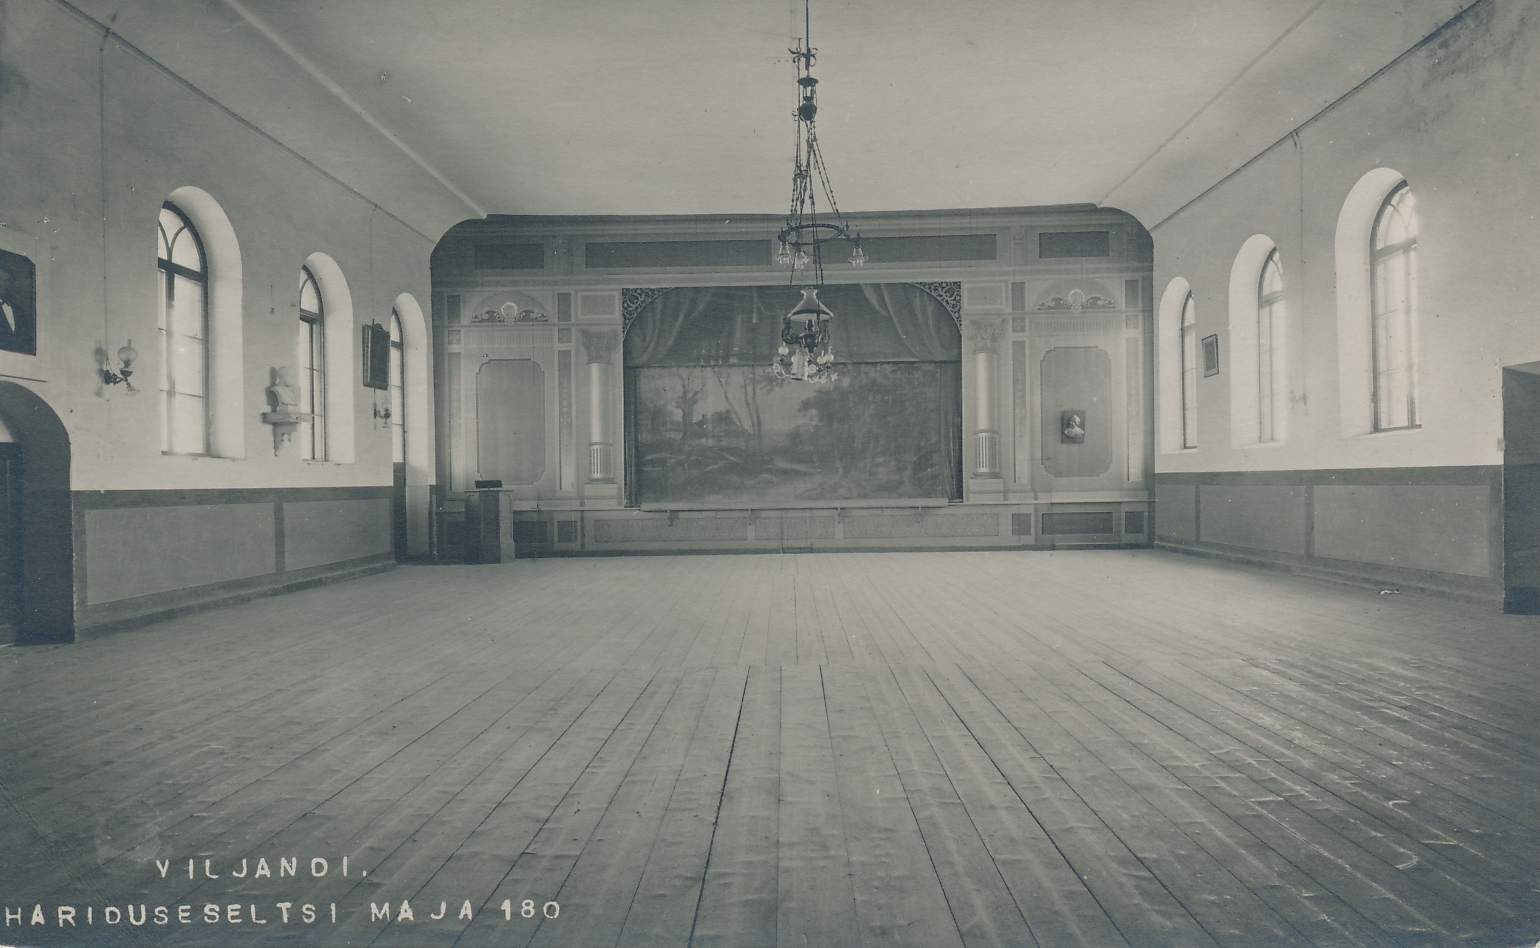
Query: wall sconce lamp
{"type": "Point", "coordinates": [127, 356]}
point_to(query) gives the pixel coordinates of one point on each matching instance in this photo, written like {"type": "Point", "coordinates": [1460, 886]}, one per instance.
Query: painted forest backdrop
{"type": "Point", "coordinates": [708, 423]}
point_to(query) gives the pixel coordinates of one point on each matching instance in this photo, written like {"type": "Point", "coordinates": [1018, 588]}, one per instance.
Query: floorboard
{"type": "Point", "coordinates": [1098, 748]}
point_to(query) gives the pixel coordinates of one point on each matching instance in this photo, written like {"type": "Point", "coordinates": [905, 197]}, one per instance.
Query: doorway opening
{"type": "Point", "coordinates": [1521, 489]}
{"type": "Point", "coordinates": [37, 533]}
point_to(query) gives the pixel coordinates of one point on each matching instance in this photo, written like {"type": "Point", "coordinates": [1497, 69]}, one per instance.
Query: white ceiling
{"type": "Point", "coordinates": [684, 106]}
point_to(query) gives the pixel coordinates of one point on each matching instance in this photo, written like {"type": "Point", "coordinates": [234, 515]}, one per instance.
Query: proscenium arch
{"type": "Point", "coordinates": [417, 382]}
{"type": "Point", "coordinates": [341, 377]}
{"type": "Point", "coordinates": [1168, 368]}
{"type": "Point", "coordinates": [1355, 361]}
{"type": "Point", "coordinates": [226, 388]}
{"type": "Point", "coordinates": [47, 608]}
{"type": "Point", "coordinates": [1242, 365]}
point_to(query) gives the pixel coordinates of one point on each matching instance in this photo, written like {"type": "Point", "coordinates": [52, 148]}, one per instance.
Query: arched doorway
{"type": "Point", "coordinates": [36, 520]}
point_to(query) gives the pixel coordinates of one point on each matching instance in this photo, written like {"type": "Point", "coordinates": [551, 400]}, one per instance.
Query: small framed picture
{"type": "Point", "coordinates": [1072, 426]}
{"type": "Point", "coordinates": [1211, 355]}
{"type": "Point", "coordinates": [18, 304]}
{"type": "Point", "coordinates": [376, 357]}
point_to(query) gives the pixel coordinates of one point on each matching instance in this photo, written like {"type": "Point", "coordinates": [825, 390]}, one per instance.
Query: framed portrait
{"type": "Point", "coordinates": [18, 304]}
{"type": "Point", "coordinates": [1211, 355]}
{"type": "Point", "coordinates": [1072, 423]}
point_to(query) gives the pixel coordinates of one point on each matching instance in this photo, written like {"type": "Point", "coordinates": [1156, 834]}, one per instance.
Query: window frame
{"type": "Point", "coordinates": [168, 271]}
{"type": "Point", "coordinates": [1187, 347]}
{"type": "Point", "coordinates": [1382, 259]}
{"type": "Point", "coordinates": [312, 352]}
{"type": "Point", "coordinates": [397, 388]}
{"type": "Point", "coordinates": [1270, 314]}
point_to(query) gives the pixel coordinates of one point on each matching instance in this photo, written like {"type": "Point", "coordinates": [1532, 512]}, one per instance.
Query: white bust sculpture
{"type": "Point", "coordinates": [286, 390]}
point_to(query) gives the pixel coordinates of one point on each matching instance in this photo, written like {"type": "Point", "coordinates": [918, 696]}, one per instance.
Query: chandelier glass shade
{"type": "Point", "coordinates": [805, 352]}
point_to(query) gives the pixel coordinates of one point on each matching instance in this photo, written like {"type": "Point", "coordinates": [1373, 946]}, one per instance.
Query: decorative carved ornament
{"type": "Point", "coordinates": [984, 333]}
{"type": "Point", "coordinates": [1076, 300]}
{"type": "Point", "coordinates": [510, 313]}
{"type": "Point", "coordinates": [599, 344]}
{"type": "Point", "coordinates": [948, 293]}
{"type": "Point", "coordinates": [633, 299]}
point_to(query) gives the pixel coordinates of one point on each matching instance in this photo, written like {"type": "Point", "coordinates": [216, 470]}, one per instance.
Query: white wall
{"type": "Point", "coordinates": [1458, 118]}
{"type": "Point", "coordinates": [96, 138]}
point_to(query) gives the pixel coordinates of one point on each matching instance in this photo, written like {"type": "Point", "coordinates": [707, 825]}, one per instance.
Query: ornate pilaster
{"type": "Point", "coordinates": [599, 349]}
{"type": "Point", "coordinates": [984, 336]}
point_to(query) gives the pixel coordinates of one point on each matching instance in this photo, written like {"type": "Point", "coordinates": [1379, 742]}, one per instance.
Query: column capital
{"type": "Point", "coordinates": [984, 334]}
{"type": "Point", "coordinates": [599, 344]}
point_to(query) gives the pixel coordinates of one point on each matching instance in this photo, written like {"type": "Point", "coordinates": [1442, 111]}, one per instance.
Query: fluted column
{"type": "Point", "coordinates": [599, 349]}
{"type": "Point", "coordinates": [984, 334]}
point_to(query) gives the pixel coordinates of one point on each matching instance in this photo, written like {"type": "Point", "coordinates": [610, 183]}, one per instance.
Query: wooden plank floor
{"type": "Point", "coordinates": [1110, 748]}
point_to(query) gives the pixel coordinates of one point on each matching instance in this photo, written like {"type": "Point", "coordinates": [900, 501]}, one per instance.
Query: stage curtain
{"type": "Point", "coordinates": [917, 318]}
{"type": "Point", "coordinates": [725, 325]}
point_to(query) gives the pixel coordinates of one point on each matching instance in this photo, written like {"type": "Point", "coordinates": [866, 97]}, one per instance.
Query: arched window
{"type": "Point", "coordinates": [1269, 324]}
{"type": "Point", "coordinates": [184, 334]}
{"type": "Point", "coordinates": [1189, 357]}
{"type": "Point", "coordinates": [312, 367]}
{"type": "Point", "coordinates": [1392, 290]}
{"type": "Point", "coordinates": [397, 391]}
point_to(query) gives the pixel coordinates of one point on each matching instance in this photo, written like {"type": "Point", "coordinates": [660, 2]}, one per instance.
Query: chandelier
{"type": "Point", "coordinates": [805, 353]}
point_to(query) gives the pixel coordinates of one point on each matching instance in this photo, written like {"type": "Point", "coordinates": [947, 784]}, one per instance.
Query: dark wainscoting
{"type": "Point", "coordinates": [1434, 529]}
{"type": "Point", "coordinates": [143, 555]}
{"type": "Point", "coordinates": [874, 525]}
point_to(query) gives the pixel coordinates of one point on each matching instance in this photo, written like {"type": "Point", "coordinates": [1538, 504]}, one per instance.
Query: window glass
{"type": "Point", "coordinates": [183, 325]}
{"type": "Point", "coordinates": [397, 392]}
{"type": "Point", "coordinates": [1269, 324]}
{"type": "Point", "coordinates": [1393, 258]}
{"type": "Point", "coordinates": [1189, 350]}
{"type": "Point", "coordinates": [312, 373]}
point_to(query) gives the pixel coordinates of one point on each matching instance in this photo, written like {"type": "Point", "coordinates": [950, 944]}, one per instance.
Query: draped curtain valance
{"type": "Point", "coordinates": [724, 325]}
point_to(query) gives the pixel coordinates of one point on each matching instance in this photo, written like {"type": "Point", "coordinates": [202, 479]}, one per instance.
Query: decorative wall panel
{"type": "Point", "coordinates": [929, 248]}
{"type": "Point", "coordinates": [1261, 518]}
{"type": "Point", "coordinates": [1080, 523]}
{"type": "Point", "coordinates": [1077, 243]}
{"type": "Point", "coordinates": [318, 532]}
{"type": "Point", "coordinates": [509, 256]}
{"type": "Point", "coordinates": [1442, 528]}
{"type": "Point", "coordinates": [1176, 511]}
{"type": "Point", "coordinates": [1078, 379]}
{"type": "Point", "coordinates": [174, 547]}
{"type": "Point", "coordinates": [984, 295]}
{"type": "Point", "coordinates": [879, 526]}
{"type": "Point", "coordinates": [794, 528]}
{"type": "Point", "coordinates": [641, 255]}
{"type": "Point", "coordinates": [598, 304]}
{"type": "Point", "coordinates": [510, 421]}
{"type": "Point", "coordinates": [564, 419]}
{"type": "Point", "coordinates": [659, 529]}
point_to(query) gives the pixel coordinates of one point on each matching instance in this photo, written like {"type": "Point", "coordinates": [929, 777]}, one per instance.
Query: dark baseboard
{"type": "Point", "coordinates": [1365, 575]}
{"type": "Point", "coordinates": [751, 550]}
{"type": "Point", "coordinates": [143, 610]}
